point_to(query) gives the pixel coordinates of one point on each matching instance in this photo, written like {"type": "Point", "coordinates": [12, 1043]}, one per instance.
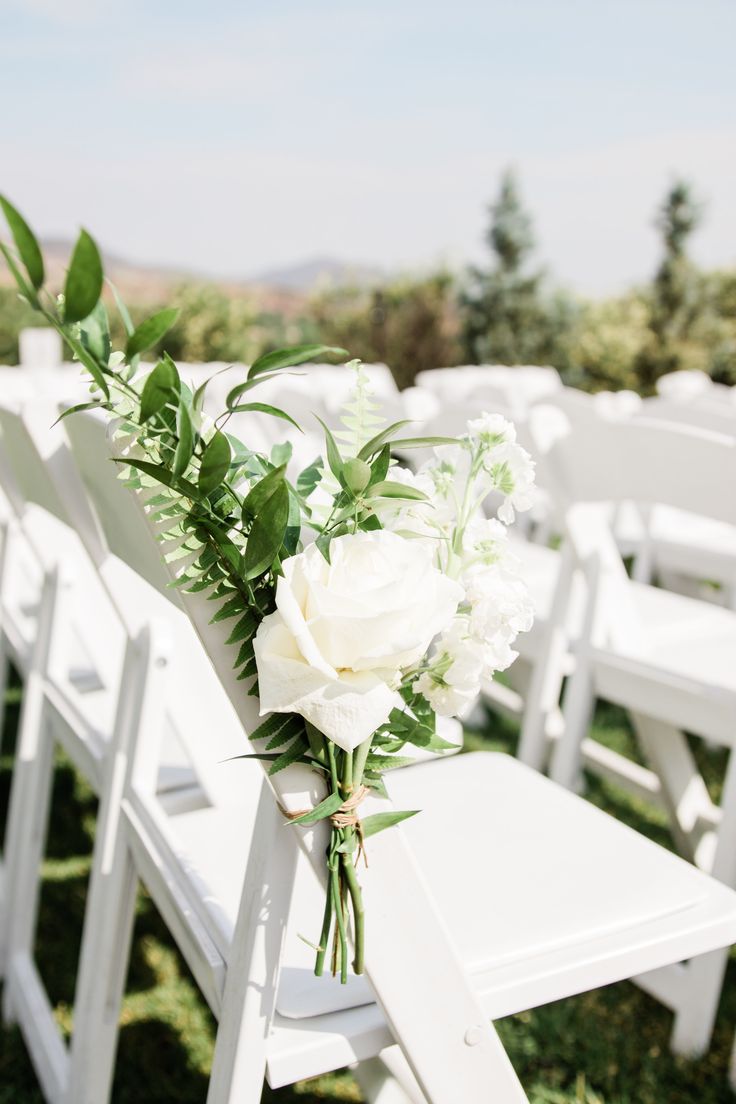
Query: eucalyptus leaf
{"type": "Point", "coordinates": [309, 478]}
{"type": "Point", "coordinates": [94, 332]}
{"type": "Point", "coordinates": [84, 280]}
{"type": "Point", "coordinates": [187, 439]}
{"type": "Point", "coordinates": [25, 242]}
{"type": "Point", "coordinates": [267, 533]}
{"type": "Point", "coordinates": [265, 408]}
{"type": "Point", "coordinates": [334, 459]}
{"type": "Point", "coordinates": [380, 439]}
{"type": "Point", "coordinates": [289, 358]}
{"type": "Point", "coordinates": [162, 386]}
{"type": "Point", "coordinates": [95, 405]}
{"type": "Point", "coordinates": [215, 463]}
{"type": "Point", "coordinates": [150, 332]}
{"type": "Point", "coordinates": [377, 822]}
{"type": "Point", "coordinates": [393, 489]}
{"type": "Point", "coordinates": [25, 289]}
{"type": "Point", "coordinates": [262, 491]}
{"type": "Point", "coordinates": [325, 809]}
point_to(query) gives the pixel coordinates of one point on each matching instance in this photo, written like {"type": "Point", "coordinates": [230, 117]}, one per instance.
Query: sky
{"type": "Point", "coordinates": [231, 138]}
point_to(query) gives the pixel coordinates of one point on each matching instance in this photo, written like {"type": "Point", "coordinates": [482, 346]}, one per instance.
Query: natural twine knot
{"type": "Point", "coordinates": [344, 817]}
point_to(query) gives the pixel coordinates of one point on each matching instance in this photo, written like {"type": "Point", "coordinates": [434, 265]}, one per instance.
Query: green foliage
{"type": "Point", "coordinates": [409, 324]}
{"type": "Point", "coordinates": [677, 300]}
{"type": "Point", "coordinates": [508, 317]}
{"type": "Point", "coordinates": [84, 278]}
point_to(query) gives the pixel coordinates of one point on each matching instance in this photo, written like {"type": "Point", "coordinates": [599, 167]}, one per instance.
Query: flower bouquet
{"type": "Point", "coordinates": [365, 598]}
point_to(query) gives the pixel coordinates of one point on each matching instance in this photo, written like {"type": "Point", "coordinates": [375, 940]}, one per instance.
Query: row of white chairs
{"type": "Point", "coordinates": [506, 893]}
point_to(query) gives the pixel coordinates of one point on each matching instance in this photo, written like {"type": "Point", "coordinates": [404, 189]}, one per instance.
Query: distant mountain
{"type": "Point", "coordinates": [282, 289]}
{"type": "Point", "coordinates": [320, 270]}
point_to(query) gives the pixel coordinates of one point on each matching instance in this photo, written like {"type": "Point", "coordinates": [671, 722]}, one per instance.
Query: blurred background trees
{"type": "Point", "coordinates": [506, 312]}
{"type": "Point", "coordinates": [508, 315]}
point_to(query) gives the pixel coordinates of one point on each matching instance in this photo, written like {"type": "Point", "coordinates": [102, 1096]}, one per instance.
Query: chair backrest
{"type": "Point", "coordinates": [715, 417]}
{"type": "Point", "coordinates": [411, 961]}
{"type": "Point", "coordinates": [650, 463]}
{"type": "Point", "coordinates": [126, 534]}
{"type": "Point", "coordinates": [602, 463]}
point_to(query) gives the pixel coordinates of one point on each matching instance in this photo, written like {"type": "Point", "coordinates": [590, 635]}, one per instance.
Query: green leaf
{"type": "Point", "coordinates": [333, 453]}
{"type": "Point", "coordinates": [380, 439]}
{"type": "Point", "coordinates": [421, 442]}
{"type": "Point", "coordinates": [309, 478]}
{"type": "Point", "coordinates": [293, 752]}
{"type": "Point", "coordinates": [122, 309]}
{"type": "Point", "coordinates": [380, 466]}
{"type": "Point", "coordinates": [198, 397]}
{"type": "Point", "coordinates": [84, 279]}
{"type": "Point", "coordinates": [95, 333]}
{"type": "Point", "coordinates": [370, 825]}
{"type": "Point", "coordinates": [151, 331]}
{"type": "Point", "coordinates": [292, 726]}
{"type": "Point", "coordinates": [162, 386]}
{"type": "Point", "coordinates": [289, 358]}
{"type": "Point", "coordinates": [262, 491]}
{"type": "Point", "coordinates": [163, 475]}
{"type": "Point", "coordinates": [215, 463]}
{"type": "Point", "coordinates": [323, 543]}
{"type": "Point", "coordinates": [232, 608]}
{"type": "Point", "coordinates": [265, 408]}
{"type": "Point", "coordinates": [272, 724]}
{"type": "Point", "coordinates": [24, 287]}
{"type": "Point", "coordinates": [244, 629]}
{"type": "Point", "coordinates": [390, 488]}
{"type": "Point", "coordinates": [96, 405]}
{"type": "Point", "coordinates": [281, 453]}
{"type": "Point", "coordinates": [25, 242]}
{"type": "Point", "coordinates": [325, 809]}
{"type": "Point", "coordinates": [267, 534]}
{"type": "Point", "coordinates": [185, 444]}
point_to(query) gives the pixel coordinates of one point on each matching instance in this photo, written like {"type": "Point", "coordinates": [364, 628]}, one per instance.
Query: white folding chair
{"type": "Point", "coordinates": [75, 694]}
{"type": "Point", "coordinates": [668, 659]}
{"type": "Point", "coordinates": [456, 932]}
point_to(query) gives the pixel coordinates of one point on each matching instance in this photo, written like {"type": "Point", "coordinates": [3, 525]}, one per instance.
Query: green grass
{"type": "Point", "coordinates": [604, 1047]}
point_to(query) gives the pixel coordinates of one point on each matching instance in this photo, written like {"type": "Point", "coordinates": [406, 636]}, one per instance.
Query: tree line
{"type": "Point", "coordinates": [507, 311]}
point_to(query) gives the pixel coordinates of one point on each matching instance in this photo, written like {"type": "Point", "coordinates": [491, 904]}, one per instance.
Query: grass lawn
{"type": "Point", "coordinates": [604, 1047]}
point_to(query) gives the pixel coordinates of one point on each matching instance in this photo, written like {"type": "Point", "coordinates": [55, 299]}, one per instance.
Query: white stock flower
{"type": "Point", "coordinates": [453, 680]}
{"type": "Point", "coordinates": [511, 469]}
{"type": "Point", "coordinates": [500, 608]}
{"type": "Point", "coordinates": [491, 430]}
{"type": "Point", "coordinates": [485, 540]}
{"type": "Point", "coordinates": [342, 632]}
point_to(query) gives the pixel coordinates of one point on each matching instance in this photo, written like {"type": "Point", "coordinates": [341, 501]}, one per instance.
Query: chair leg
{"type": "Point", "coordinates": [379, 1085]}
{"type": "Point", "coordinates": [103, 968]}
{"type": "Point", "coordinates": [577, 708]}
{"type": "Point", "coordinates": [26, 835]}
{"type": "Point", "coordinates": [694, 1021]}
{"type": "Point", "coordinates": [4, 672]}
{"type": "Point", "coordinates": [252, 979]}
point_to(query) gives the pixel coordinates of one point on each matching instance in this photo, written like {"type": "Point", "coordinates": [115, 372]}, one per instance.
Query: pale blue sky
{"type": "Point", "coordinates": [232, 137]}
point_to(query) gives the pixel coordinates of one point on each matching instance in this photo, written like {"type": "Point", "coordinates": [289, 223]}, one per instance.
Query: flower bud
{"type": "Point", "coordinates": [357, 475]}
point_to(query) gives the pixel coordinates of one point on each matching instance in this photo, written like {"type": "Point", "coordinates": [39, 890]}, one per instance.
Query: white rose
{"type": "Point", "coordinates": [342, 632]}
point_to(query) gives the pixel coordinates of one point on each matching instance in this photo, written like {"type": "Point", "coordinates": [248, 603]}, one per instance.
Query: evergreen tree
{"type": "Point", "coordinates": [506, 317]}
{"type": "Point", "coordinates": [677, 301]}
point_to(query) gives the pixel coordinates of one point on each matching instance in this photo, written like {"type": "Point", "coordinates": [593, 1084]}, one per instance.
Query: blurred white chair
{"type": "Point", "coordinates": [669, 660]}
{"type": "Point", "coordinates": [602, 918]}
{"type": "Point", "coordinates": [683, 386]}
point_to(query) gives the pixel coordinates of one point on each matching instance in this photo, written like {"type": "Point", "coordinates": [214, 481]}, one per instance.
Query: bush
{"type": "Point", "coordinates": [411, 325]}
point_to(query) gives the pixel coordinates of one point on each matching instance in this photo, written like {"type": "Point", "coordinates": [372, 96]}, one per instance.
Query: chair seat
{"type": "Point", "coordinates": [685, 654]}
{"type": "Point", "coordinates": [551, 897]}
